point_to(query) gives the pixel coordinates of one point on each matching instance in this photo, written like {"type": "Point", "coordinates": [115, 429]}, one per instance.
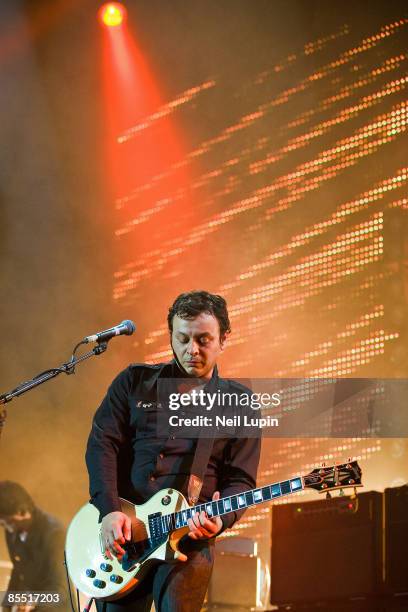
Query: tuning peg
{"type": "Point", "coordinates": [328, 495]}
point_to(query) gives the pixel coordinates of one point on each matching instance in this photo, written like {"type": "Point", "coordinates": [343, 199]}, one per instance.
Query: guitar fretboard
{"type": "Point", "coordinates": [240, 501]}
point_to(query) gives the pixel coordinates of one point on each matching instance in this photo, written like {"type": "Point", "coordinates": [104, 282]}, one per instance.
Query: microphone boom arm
{"type": "Point", "coordinates": [66, 368]}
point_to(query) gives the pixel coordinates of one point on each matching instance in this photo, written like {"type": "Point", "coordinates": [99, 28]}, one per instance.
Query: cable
{"type": "Point", "coordinates": [69, 584]}
{"type": "Point", "coordinates": [76, 347]}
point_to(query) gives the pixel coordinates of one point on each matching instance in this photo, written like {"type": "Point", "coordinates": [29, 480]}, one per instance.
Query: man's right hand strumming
{"type": "Point", "coordinates": [116, 530]}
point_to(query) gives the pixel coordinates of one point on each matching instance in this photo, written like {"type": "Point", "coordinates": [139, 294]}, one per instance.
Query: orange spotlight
{"type": "Point", "coordinates": [112, 14]}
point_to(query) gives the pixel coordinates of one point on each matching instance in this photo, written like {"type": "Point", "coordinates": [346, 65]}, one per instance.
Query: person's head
{"type": "Point", "coordinates": [16, 506]}
{"type": "Point", "coordinates": [198, 325]}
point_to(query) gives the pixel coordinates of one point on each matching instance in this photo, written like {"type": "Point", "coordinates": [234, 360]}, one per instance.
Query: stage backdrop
{"type": "Point", "coordinates": [256, 150]}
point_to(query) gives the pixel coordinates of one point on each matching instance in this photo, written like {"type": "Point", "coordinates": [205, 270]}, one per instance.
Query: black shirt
{"type": "Point", "coordinates": [126, 458]}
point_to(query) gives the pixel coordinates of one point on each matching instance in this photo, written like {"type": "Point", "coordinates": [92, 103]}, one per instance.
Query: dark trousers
{"type": "Point", "coordinates": [174, 587]}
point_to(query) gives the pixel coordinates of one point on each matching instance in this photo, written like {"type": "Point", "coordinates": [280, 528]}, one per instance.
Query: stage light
{"type": "Point", "coordinates": [112, 14]}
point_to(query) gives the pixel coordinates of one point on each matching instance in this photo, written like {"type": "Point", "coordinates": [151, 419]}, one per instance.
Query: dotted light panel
{"type": "Point", "coordinates": [297, 204]}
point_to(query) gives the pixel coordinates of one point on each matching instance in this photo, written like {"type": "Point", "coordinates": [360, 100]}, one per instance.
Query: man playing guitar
{"type": "Point", "coordinates": [126, 458]}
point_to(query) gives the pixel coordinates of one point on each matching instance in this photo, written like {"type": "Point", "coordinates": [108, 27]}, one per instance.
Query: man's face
{"type": "Point", "coordinates": [16, 522]}
{"type": "Point", "coordinates": [196, 343]}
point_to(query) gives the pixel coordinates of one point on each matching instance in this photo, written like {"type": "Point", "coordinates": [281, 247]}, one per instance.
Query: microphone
{"type": "Point", "coordinates": [125, 328]}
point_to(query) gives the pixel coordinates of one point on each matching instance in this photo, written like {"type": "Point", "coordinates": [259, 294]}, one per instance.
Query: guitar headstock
{"type": "Point", "coordinates": [334, 477]}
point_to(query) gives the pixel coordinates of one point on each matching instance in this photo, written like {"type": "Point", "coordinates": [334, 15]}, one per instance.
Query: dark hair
{"type": "Point", "coordinates": [190, 305]}
{"type": "Point", "coordinates": [14, 499]}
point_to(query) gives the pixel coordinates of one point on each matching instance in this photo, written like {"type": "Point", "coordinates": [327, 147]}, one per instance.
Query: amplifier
{"type": "Point", "coordinates": [327, 549]}
{"type": "Point", "coordinates": [238, 581]}
{"type": "Point", "coordinates": [239, 546]}
{"type": "Point", "coordinates": [395, 540]}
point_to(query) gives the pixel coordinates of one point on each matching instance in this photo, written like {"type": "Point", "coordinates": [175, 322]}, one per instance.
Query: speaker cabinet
{"type": "Point", "coordinates": [396, 540]}
{"type": "Point", "coordinates": [240, 581]}
{"type": "Point", "coordinates": [326, 549]}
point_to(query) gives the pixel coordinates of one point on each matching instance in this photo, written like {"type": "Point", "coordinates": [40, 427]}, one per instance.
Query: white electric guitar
{"type": "Point", "coordinates": [160, 523]}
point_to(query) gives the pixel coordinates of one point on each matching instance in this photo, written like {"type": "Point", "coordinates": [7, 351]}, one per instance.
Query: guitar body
{"type": "Point", "coordinates": [94, 574]}
{"type": "Point", "coordinates": [160, 523]}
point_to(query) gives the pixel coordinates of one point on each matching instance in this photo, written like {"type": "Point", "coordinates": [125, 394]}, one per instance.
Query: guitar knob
{"type": "Point", "coordinates": [100, 584]}
{"type": "Point", "coordinates": [106, 567]}
{"type": "Point", "coordinates": [116, 579]}
{"type": "Point", "coordinates": [90, 573]}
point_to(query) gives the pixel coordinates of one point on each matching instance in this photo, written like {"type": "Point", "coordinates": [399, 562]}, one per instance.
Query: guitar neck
{"type": "Point", "coordinates": [239, 501]}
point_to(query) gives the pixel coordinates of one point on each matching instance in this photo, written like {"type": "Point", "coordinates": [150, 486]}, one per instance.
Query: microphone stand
{"type": "Point", "coordinates": [66, 368]}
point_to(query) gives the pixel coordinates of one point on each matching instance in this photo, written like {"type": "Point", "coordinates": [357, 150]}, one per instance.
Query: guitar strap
{"type": "Point", "coordinates": [201, 456]}
{"type": "Point", "coordinates": [198, 469]}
